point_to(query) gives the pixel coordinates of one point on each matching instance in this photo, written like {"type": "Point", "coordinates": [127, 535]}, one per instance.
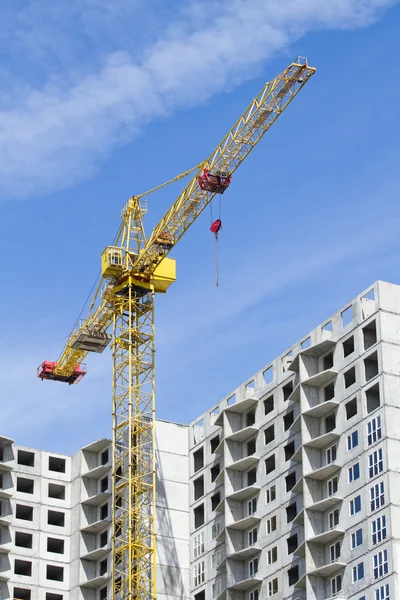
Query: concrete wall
{"type": "Point", "coordinates": [172, 500]}
{"type": "Point", "coordinates": [37, 558]}
{"type": "Point", "coordinates": [86, 530]}
{"type": "Point", "coordinates": [291, 422]}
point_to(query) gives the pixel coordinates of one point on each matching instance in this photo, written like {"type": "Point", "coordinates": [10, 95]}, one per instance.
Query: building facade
{"type": "Point", "coordinates": [295, 475]}
{"type": "Point", "coordinates": [55, 520]}
{"type": "Point", "coordinates": [289, 488]}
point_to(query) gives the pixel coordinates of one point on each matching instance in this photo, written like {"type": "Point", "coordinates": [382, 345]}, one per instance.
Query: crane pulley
{"type": "Point", "coordinates": [121, 314]}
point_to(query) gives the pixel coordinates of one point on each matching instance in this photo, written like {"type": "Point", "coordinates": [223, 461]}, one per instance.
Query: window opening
{"type": "Point", "coordinates": [348, 346]}
{"type": "Point", "coordinates": [369, 335]}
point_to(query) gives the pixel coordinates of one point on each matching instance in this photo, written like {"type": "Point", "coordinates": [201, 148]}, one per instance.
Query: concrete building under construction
{"type": "Point", "coordinates": [288, 488]}
{"type": "Point", "coordinates": [55, 520]}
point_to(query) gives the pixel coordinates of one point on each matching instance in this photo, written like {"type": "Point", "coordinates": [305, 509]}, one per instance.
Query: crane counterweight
{"type": "Point", "coordinates": [47, 370]}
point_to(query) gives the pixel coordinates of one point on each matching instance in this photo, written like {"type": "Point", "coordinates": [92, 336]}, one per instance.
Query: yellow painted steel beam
{"type": "Point", "coordinates": [133, 480]}
{"type": "Point", "coordinates": [143, 260]}
{"type": "Point", "coordinates": [256, 120]}
{"type": "Point", "coordinates": [133, 270]}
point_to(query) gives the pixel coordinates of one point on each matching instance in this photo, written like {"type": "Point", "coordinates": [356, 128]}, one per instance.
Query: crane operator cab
{"type": "Point", "coordinates": [214, 181]}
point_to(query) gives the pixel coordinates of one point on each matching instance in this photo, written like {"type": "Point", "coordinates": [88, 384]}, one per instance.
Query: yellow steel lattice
{"type": "Point", "coordinates": [229, 154]}
{"type": "Point", "coordinates": [124, 301]}
{"type": "Point", "coordinates": [133, 538]}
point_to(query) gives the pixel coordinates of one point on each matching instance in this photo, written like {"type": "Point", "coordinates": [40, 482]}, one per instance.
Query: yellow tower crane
{"type": "Point", "coordinates": [121, 313]}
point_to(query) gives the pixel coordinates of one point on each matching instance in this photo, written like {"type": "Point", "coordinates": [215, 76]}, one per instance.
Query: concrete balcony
{"type": "Point", "coordinates": [6, 466]}
{"type": "Point", "coordinates": [95, 582]}
{"type": "Point", "coordinates": [221, 566]}
{"type": "Point", "coordinates": [97, 499]}
{"type": "Point", "coordinates": [221, 506]}
{"type": "Point", "coordinates": [300, 550]}
{"type": "Point", "coordinates": [327, 570]}
{"type": "Point", "coordinates": [326, 536]}
{"type": "Point", "coordinates": [5, 520]}
{"type": "Point", "coordinates": [221, 536]}
{"type": "Point", "coordinates": [6, 493]}
{"type": "Point", "coordinates": [245, 584]}
{"type": "Point", "coordinates": [92, 575]}
{"type": "Point", "coordinates": [301, 583]}
{"type": "Point", "coordinates": [299, 518]}
{"type": "Point", "coordinates": [243, 464]}
{"type": "Point", "coordinates": [316, 351]}
{"type": "Point", "coordinates": [239, 407]}
{"type": "Point", "coordinates": [5, 567]}
{"type": "Point", "coordinates": [298, 455]}
{"type": "Point", "coordinates": [93, 464]}
{"type": "Point", "coordinates": [325, 503]}
{"type": "Point", "coordinates": [295, 395]}
{"type": "Point", "coordinates": [7, 454]}
{"type": "Point", "coordinates": [242, 435]}
{"type": "Point", "coordinates": [96, 526]}
{"type": "Point", "coordinates": [97, 554]}
{"type": "Point", "coordinates": [321, 378]}
{"type": "Point", "coordinates": [219, 421]}
{"type": "Point", "coordinates": [322, 441]}
{"type": "Point", "coordinates": [97, 472]}
{"type": "Point", "coordinates": [296, 425]}
{"type": "Point", "coordinates": [95, 492]}
{"type": "Point", "coordinates": [298, 486]}
{"type": "Point", "coordinates": [243, 405]}
{"type": "Point", "coordinates": [323, 472]}
{"type": "Point", "coordinates": [220, 477]}
{"type": "Point", "coordinates": [97, 446]}
{"type": "Point", "coordinates": [6, 542]}
{"type": "Point", "coordinates": [244, 523]}
{"type": "Point", "coordinates": [321, 409]}
{"type": "Point", "coordinates": [245, 553]}
{"type": "Point", "coordinates": [220, 449]}
{"type": "Point", "coordinates": [6, 545]}
{"type": "Point", "coordinates": [243, 493]}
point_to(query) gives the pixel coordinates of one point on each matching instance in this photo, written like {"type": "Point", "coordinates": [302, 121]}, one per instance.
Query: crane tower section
{"type": "Point", "coordinates": [134, 269]}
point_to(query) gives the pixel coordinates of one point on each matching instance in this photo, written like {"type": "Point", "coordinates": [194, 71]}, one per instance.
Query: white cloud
{"type": "Point", "coordinates": [55, 135]}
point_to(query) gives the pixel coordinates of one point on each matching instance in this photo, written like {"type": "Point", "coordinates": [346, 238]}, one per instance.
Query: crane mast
{"type": "Point", "coordinates": [121, 314]}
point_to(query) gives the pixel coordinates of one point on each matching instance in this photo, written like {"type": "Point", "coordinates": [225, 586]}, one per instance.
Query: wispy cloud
{"type": "Point", "coordinates": [57, 133]}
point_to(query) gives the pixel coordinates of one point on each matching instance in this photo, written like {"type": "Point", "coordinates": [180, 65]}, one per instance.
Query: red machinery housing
{"type": "Point", "coordinates": [216, 182]}
{"type": "Point", "coordinates": [46, 371]}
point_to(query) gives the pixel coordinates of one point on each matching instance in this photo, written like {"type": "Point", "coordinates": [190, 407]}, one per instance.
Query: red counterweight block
{"type": "Point", "coordinates": [216, 182]}
{"type": "Point", "coordinates": [46, 371]}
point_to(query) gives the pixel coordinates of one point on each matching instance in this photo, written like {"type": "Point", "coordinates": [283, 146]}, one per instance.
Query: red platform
{"type": "Point", "coordinates": [46, 371]}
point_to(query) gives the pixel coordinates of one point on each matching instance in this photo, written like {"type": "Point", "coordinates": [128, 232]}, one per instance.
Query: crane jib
{"type": "Point", "coordinates": [148, 265]}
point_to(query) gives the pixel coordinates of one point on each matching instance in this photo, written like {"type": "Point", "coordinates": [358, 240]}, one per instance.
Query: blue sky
{"type": "Point", "coordinates": [99, 102]}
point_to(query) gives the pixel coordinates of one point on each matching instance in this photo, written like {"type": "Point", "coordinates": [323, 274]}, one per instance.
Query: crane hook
{"type": "Point", "coordinates": [215, 229]}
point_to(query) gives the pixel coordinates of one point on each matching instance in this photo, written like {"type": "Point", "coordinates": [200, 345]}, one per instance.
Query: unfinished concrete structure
{"type": "Point", "coordinates": [289, 488]}
{"type": "Point", "coordinates": [55, 520]}
{"type": "Point", "coordinates": [295, 475]}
